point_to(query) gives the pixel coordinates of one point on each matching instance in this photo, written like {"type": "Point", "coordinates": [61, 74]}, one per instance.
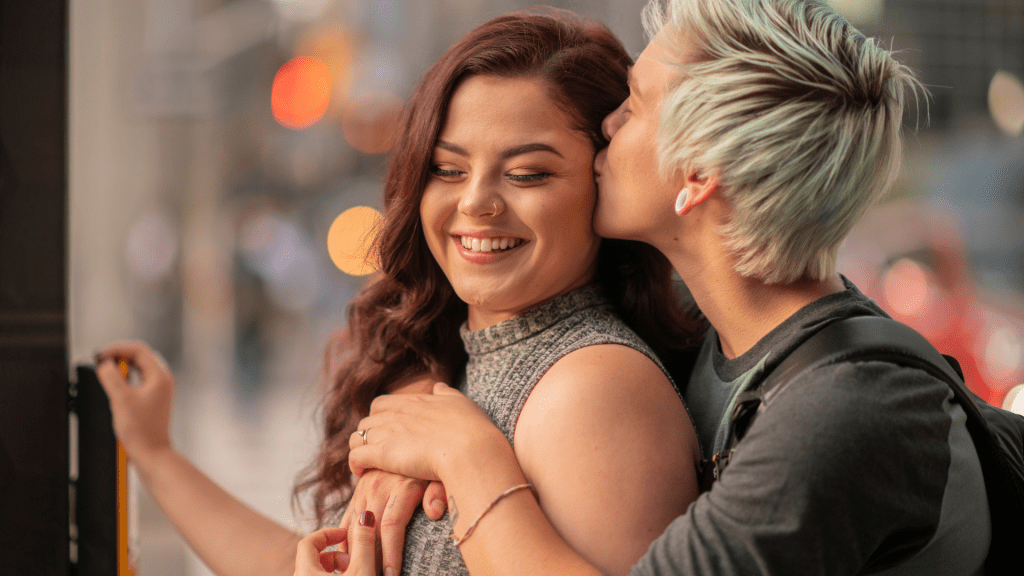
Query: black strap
{"type": "Point", "coordinates": [872, 338]}
{"type": "Point", "coordinates": [998, 435]}
{"type": "Point", "coordinates": [856, 339]}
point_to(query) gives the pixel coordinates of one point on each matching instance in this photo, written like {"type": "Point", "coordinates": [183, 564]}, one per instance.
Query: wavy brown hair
{"type": "Point", "coordinates": [405, 323]}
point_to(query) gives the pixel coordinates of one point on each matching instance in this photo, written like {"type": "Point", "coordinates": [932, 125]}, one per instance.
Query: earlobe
{"type": "Point", "coordinates": [681, 200]}
{"type": "Point", "coordinates": [699, 187]}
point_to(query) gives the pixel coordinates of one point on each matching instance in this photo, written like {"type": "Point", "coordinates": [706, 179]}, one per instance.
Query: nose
{"type": "Point", "coordinates": [612, 122]}
{"type": "Point", "coordinates": [481, 200]}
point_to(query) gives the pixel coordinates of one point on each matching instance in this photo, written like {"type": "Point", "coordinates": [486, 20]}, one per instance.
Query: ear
{"type": "Point", "coordinates": [698, 186]}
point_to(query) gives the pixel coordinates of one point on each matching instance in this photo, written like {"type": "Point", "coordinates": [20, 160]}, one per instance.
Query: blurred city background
{"type": "Point", "coordinates": [214, 143]}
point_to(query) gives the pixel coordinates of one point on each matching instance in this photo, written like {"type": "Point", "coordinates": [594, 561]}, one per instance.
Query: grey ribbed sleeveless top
{"type": "Point", "coordinates": [505, 362]}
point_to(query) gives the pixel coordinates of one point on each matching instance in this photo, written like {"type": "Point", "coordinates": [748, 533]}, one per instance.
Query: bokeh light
{"type": "Point", "coordinates": [371, 120]}
{"type": "Point", "coordinates": [1014, 401]}
{"type": "Point", "coordinates": [151, 248]}
{"type": "Point", "coordinates": [350, 238]}
{"type": "Point", "coordinates": [1006, 103]}
{"type": "Point", "coordinates": [1003, 355]}
{"type": "Point", "coordinates": [301, 92]}
{"type": "Point", "coordinates": [906, 288]}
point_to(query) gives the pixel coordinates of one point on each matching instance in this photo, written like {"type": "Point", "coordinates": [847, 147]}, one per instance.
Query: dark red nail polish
{"type": "Point", "coordinates": [367, 519]}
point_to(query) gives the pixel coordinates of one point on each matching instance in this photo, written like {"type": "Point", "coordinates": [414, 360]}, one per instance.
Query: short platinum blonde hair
{"type": "Point", "coordinates": [796, 112]}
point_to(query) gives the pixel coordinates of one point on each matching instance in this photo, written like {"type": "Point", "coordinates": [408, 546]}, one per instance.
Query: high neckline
{"type": "Point", "coordinates": [530, 322]}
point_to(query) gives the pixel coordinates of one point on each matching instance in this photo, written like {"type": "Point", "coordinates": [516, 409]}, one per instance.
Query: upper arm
{"type": "Point", "coordinates": [610, 450]}
{"type": "Point", "coordinates": [845, 471]}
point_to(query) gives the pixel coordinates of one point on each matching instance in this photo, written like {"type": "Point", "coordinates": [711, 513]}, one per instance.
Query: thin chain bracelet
{"type": "Point", "coordinates": [458, 541]}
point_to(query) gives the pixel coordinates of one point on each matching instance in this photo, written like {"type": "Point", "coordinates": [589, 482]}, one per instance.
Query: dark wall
{"type": "Point", "coordinates": [33, 350]}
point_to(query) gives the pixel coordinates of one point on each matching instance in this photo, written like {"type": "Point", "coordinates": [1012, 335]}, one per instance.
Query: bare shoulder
{"type": "Point", "coordinates": [605, 381]}
{"type": "Point", "coordinates": [597, 389]}
{"type": "Point", "coordinates": [602, 422]}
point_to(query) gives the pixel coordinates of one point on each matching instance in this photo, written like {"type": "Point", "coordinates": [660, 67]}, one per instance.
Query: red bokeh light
{"type": "Point", "coordinates": [300, 93]}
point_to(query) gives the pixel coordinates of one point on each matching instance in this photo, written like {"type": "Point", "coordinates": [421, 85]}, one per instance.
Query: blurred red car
{"type": "Point", "coordinates": [910, 258]}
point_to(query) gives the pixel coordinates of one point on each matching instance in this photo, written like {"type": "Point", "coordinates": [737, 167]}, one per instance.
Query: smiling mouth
{"type": "Point", "coordinates": [494, 245]}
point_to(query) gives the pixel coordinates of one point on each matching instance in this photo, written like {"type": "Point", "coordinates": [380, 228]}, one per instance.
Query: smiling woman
{"type": "Point", "coordinates": [511, 199]}
{"type": "Point", "coordinates": [488, 241]}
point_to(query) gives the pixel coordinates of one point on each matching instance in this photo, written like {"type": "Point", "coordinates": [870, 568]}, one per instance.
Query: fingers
{"type": "Point", "coordinates": [402, 504]}
{"type": "Point", "coordinates": [435, 500]}
{"type": "Point", "coordinates": [360, 460]}
{"type": "Point", "coordinates": [346, 521]}
{"type": "Point", "coordinates": [334, 560]}
{"type": "Point", "coordinates": [111, 378]}
{"type": "Point", "coordinates": [137, 353]}
{"type": "Point", "coordinates": [357, 445]}
{"type": "Point", "coordinates": [362, 541]}
{"type": "Point", "coordinates": [308, 552]}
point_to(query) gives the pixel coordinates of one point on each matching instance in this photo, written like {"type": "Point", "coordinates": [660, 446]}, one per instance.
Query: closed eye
{"type": "Point", "coordinates": [444, 172]}
{"type": "Point", "coordinates": [528, 178]}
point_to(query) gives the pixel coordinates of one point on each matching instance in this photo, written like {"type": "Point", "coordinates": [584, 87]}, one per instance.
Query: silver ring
{"type": "Point", "coordinates": [362, 434]}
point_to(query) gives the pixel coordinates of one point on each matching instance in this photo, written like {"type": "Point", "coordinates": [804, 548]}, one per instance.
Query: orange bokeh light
{"type": "Point", "coordinates": [907, 289]}
{"type": "Point", "coordinates": [300, 93]}
{"type": "Point", "coordinates": [350, 239]}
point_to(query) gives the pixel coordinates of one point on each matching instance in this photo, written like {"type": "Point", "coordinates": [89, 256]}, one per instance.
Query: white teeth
{"type": "Point", "coordinates": [488, 244]}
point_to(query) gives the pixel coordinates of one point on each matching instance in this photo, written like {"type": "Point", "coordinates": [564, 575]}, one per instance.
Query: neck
{"type": "Point", "coordinates": [488, 313]}
{"type": "Point", "coordinates": [744, 310]}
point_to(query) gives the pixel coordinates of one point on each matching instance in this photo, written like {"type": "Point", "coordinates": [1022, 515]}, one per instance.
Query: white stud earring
{"type": "Point", "coordinates": [681, 200]}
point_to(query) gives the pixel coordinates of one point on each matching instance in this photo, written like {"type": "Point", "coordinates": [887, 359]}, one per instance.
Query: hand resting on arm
{"type": "Point", "coordinates": [393, 499]}
{"type": "Point", "coordinates": [592, 439]}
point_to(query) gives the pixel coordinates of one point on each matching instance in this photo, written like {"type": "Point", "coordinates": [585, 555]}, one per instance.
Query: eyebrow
{"type": "Point", "coordinates": [506, 154]}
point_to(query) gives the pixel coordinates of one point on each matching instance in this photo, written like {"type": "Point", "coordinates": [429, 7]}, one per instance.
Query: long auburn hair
{"type": "Point", "coordinates": [405, 323]}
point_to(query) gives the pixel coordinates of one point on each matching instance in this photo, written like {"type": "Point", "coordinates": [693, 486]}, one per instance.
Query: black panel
{"type": "Point", "coordinates": [33, 351]}
{"type": "Point", "coordinates": [33, 462]}
{"type": "Point", "coordinates": [96, 490]}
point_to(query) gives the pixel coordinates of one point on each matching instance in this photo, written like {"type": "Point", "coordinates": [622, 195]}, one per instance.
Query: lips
{"type": "Point", "coordinates": [599, 160]}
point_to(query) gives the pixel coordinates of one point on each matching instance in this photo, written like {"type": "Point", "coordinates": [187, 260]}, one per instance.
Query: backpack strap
{"type": "Point", "coordinates": [998, 435]}
{"type": "Point", "coordinates": [857, 339]}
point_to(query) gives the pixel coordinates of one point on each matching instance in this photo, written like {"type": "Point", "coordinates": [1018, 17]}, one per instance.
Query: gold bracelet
{"type": "Point", "coordinates": [458, 541]}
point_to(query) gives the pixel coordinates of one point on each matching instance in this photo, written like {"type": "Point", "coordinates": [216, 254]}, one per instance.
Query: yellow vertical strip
{"type": "Point", "coordinates": [124, 567]}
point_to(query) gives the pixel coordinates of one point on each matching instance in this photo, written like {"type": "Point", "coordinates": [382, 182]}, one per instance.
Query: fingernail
{"type": "Point", "coordinates": [438, 506]}
{"type": "Point", "coordinates": [367, 519]}
{"type": "Point", "coordinates": [389, 571]}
